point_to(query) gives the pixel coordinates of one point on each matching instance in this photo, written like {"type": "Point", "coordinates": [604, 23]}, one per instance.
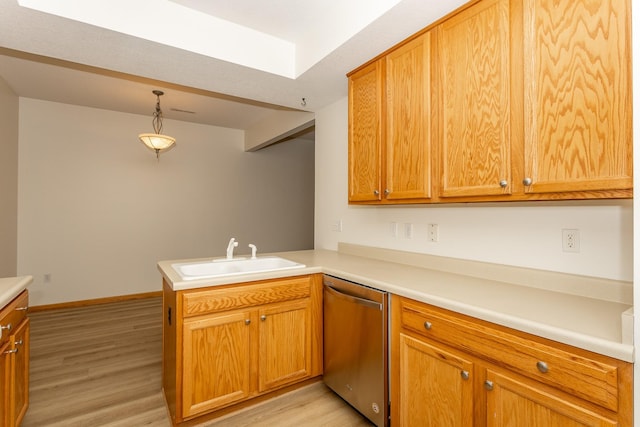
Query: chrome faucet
{"type": "Point", "coordinates": [232, 244]}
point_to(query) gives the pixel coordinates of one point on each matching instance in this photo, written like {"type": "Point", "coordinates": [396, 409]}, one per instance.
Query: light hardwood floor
{"type": "Point", "coordinates": [101, 366]}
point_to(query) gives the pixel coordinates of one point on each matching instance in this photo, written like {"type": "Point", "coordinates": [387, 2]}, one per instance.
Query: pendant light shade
{"type": "Point", "coordinates": [156, 141]}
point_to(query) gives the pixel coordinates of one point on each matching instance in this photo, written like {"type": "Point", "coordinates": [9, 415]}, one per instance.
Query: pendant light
{"type": "Point", "coordinates": [156, 141]}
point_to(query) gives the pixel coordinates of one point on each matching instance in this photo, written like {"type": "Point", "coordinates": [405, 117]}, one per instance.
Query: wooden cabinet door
{"type": "Point", "coordinates": [474, 102]}
{"type": "Point", "coordinates": [577, 77]}
{"type": "Point", "coordinates": [5, 384]}
{"type": "Point", "coordinates": [20, 372]}
{"type": "Point", "coordinates": [435, 386]}
{"type": "Point", "coordinates": [284, 344]}
{"type": "Point", "coordinates": [519, 402]}
{"type": "Point", "coordinates": [407, 138]}
{"type": "Point", "coordinates": [216, 361]}
{"type": "Point", "coordinates": [365, 134]}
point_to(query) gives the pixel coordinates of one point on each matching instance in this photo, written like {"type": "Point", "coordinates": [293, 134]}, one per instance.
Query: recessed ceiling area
{"type": "Point", "coordinates": [46, 56]}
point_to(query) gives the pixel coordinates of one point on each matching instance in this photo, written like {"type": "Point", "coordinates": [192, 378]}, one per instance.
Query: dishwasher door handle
{"type": "Point", "coordinates": [351, 298]}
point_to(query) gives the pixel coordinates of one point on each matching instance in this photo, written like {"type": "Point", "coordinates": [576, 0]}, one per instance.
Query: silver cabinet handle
{"type": "Point", "coordinates": [542, 367]}
{"type": "Point", "coordinates": [387, 191]}
{"type": "Point", "coordinates": [504, 183]}
{"type": "Point", "coordinates": [263, 317]}
{"type": "Point", "coordinates": [7, 327]}
{"type": "Point", "coordinates": [464, 375]}
{"type": "Point", "coordinates": [427, 325]}
{"type": "Point", "coordinates": [15, 350]}
{"type": "Point", "coordinates": [22, 308]}
{"type": "Point", "coordinates": [488, 385]}
{"type": "Point", "coordinates": [247, 321]}
{"type": "Point", "coordinates": [527, 181]}
{"type": "Point", "coordinates": [376, 193]}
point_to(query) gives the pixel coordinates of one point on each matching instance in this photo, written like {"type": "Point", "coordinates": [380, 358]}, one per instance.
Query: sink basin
{"type": "Point", "coordinates": [223, 267]}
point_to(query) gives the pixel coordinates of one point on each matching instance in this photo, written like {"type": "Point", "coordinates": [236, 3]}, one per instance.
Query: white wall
{"type": "Point", "coordinates": [522, 234]}
{"type": "Point", "coordinates": [8, 180]}
{"type": "Point", "coordinates": [97, 210]}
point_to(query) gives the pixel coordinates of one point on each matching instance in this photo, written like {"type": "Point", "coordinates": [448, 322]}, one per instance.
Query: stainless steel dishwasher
{"type": "Point", "coordinates": [355, 346]}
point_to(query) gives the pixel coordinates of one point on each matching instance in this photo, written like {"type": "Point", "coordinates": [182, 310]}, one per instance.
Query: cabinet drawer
{"type": "Point", "coordinates": [13, 314]}
{"type": "Point", "coordinates": [213, 300]}
{"type": "Point", "coordinates": [577, 373]}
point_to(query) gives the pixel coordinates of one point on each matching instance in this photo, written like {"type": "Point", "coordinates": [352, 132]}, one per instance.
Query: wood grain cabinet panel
{"type": "Point", "coordinates": [513, 401]}
{"type": "Point", "coordinates": [474, 79]}
{"type": "Point", "coordinates": [435, 386]}
{"type": "Point", "coordinates": [285, 344]}
{"type": "Point", "coordinates": [365, 134]}
{"type": "Point", "coordinates": [577, 71]}
{"type": "Point", "coordinates": [217, 361]}
{"type": "Point", "coordinates": [389, 127]}
{"type": "Point", "coordinates": [14, 361]}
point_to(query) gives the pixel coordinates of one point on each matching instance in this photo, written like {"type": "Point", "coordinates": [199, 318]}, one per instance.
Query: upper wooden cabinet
{"type": "Point", "coordinates": [389, 127]}
{"type": "Point", "coordinates": [577, 89]}
{"type": "Point", "coordinates": [520, 100]}
{"type": "Point", "coordinates": [473, 61]}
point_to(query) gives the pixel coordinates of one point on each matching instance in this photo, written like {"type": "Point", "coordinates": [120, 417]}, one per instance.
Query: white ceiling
{"type": "Point", "coordinates": [46, 56]}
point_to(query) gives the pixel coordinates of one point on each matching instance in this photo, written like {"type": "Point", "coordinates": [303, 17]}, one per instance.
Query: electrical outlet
{"type": "Point", "coordinates": [570, 240]}
{"type": "Point", "coordinates": [432, 232]}
{"type": "Point", "coordinates": [47, 278]}
{"type": "Point", "coordinates": [336, 225]}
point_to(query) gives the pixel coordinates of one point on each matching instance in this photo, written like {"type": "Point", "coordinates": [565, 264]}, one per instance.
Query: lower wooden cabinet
{"type": "Point", "coordinates": [434, 385]}
{"type": "Point", "coordinates": [514, 401]}
{"type": "Point", "coordinates": [14, 361]}
{"type": "Point", "coordinates": [226, 345]}
{"type": "Point", "coordinates": [452, 370]}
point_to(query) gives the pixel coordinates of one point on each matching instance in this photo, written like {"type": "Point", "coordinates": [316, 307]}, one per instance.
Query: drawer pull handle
{"type": "Point", "coordinates": [263, 317]}
{"type": "Point", "coordinates": [25, 308]}
{"type": "Point", "coordinates": [427, 325]}
{"type": "Point", "coordinates": [19, 342]}
{"type": "Point", "coordinates": [247, 321]}
{"type": "Point", "coordinates": [464, 375]}
{"type": "Point", "coordinates": [488, 385]}
{"type": "Point", "coordinates": [15, 350]}
{"type": "Point", "coordinates": [7, 327]}
{"type": "Point", "coordinates": [542, 367]}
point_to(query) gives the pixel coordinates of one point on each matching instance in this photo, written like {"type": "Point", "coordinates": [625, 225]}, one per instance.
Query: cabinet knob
{"type": "Point", "coordinates": [464, 375]}
{"type": "Point", "coordinates": [376, 193]}
{"type": "Point", "coordinates": [19, 342]}
{"type": "Point", "coordinates": [542, 367]}
{"type": "Point", "coordinates": [488, 385]}
{"type": "Point", "coordinates": [504, 183]}
{"type": "Point", "coordinates": [263, 317]}
{"type": "Point", "coordinates": [527, 181]}
{"type": "Point", "coordinates": [247, 321]}
{"type": "Point", "coordinates": [387, 191]}
{"type": "Point", "coordinates": [427, 325]}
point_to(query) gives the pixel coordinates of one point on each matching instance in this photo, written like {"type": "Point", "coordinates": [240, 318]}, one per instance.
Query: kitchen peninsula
{"type": "Point", "coordinates": [584, 315]}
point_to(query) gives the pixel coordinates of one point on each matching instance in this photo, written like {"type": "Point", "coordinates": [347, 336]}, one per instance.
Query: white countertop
{"type": "Point", "coordinates": [11, 287]}
{"type": "Point", "coordinates": [586, 321]}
